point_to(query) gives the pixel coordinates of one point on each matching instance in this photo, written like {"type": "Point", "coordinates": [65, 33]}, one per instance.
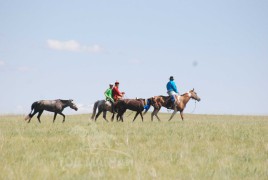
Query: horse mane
{"type": "Point", "coordinates": [64, 101]}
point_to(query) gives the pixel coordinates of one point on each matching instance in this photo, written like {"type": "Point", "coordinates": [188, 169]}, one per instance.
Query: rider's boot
{"type": "Point", "coordinates": [173, 102]}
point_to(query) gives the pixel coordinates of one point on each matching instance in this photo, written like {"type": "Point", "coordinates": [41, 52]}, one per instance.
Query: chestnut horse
{"type": "Point", "coordinates": [181, 102]}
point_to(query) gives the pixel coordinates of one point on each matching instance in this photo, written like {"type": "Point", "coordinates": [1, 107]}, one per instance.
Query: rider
{"type": "Point", "coordinates": [148, 105]}
{"type": "Point", "coordinates": [109, 96]}
{"type": "Point", "coordinates": [172, 89]}
{"type": "Point", "coordinates": [117, 95]}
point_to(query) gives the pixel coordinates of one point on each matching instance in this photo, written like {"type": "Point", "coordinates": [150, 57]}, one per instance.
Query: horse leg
{"type": "Point", "coordinates": [32, 115]}
{"type": "Point", "coordinates": [104, 116]}
{"type": "Point", "coordinates": [112, 119]}
{"type": "Point", "coordinates": [181, 112]}
{"type": "Point", "coordinates": [117, 116]}
{"type": "Point", "coordinates": [156, 112]}
{"type": "Point", "coordinates": [54, 118]}
{"type": "Point", "coordinates": [174, 112]}
{"type": "Point", "coordinates": [135, 116]}
{"type": "Point", "coordinates": [141, 116]}
{"type": "Point", "coordinates": [157, 117]}
{"type": "Point", "coordinates": [121, 117]}
{"type": "Point", "coordinates": [99, 112]}
{"type": "Point", "coordinates": [39, 115]}
{"type": "Point", "coordinates": [63, 116]}
{"type": "Point", "coordinates": [153, 114]}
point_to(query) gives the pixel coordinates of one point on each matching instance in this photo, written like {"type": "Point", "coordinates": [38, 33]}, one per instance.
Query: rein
{"type": "Point", "coordinates": [194, 107]}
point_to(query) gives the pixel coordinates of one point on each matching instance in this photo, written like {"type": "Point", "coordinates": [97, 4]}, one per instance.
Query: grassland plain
{"type": "Point", "coordinates": [201, 147]}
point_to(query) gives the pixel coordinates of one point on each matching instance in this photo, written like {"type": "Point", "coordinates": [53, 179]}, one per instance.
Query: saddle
{"type": "Point", "coordinates": [170, 104]}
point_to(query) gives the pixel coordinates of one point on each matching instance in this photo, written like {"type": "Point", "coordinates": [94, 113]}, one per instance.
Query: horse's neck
{"type": "Point", "coordinates": [64, 103]}
{"type": "Point", "coordinates": [184, 99]}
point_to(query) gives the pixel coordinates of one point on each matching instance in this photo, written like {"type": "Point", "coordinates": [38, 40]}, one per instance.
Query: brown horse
{"type": "Point", "coordinates": [132, 104]}
{"type": "Point", "coordinates": [165, 101]}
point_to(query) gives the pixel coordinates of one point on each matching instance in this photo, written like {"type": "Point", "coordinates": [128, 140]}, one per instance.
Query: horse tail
{"type": "Point", "coordinates": [32, 108]}
{"type": "Point", "coordinates": [94, 109]}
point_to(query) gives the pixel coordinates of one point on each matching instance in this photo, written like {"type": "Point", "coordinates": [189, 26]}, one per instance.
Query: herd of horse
{"type": "Point", "coordinates": [120, 107]}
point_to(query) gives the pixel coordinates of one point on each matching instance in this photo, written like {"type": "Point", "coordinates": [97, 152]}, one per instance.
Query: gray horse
{"type": "Point", "coordinates": [56, 106]}
{"type": "Point", "coordinates": [102, 106]}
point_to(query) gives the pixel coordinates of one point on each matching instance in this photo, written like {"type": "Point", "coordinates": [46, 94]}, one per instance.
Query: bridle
{"type": "Point", "coordinates": [193, 97]}
{"type": "Point", "coordinates": [194, 107]}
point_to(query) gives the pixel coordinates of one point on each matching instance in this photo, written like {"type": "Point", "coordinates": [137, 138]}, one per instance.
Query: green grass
{"type": "Point", "coordinates": [201, 147]}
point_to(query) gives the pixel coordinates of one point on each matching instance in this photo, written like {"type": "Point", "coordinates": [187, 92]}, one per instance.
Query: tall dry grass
{"type": "Point", "coordinates": [201, 147]}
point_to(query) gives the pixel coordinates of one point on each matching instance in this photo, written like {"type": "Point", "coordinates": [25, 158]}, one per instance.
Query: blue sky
{"type": "Point", "coordinates": [74, 49]}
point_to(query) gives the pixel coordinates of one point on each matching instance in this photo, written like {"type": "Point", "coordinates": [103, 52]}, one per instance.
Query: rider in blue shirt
{"type": "Point", "coordinates": [172, 89]}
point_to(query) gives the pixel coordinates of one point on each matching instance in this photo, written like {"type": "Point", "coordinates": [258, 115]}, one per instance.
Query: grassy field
{"type": "Point", "coordinates": [201, 147]}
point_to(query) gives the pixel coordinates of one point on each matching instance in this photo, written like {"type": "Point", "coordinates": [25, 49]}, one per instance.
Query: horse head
{"type": "Point", "coordinates": [72, 105]}
{"type": "Point", "coordinates": [193, 95]}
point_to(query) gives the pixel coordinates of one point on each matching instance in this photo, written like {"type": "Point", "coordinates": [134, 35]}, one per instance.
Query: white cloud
{"type": "Point", "coordinates": [73, 46]}
{"type": "Point", "coordinates": [82, 109]}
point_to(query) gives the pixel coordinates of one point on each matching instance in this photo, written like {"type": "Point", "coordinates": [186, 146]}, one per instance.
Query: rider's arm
{"type": "Point", "coordinates": [174, 87]}
{"type": "Point", "coordinates": [105, 93]}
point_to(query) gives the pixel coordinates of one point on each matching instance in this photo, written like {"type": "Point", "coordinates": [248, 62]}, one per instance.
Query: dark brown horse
{"type": "Point", "coordinates": [165, 101]}
{"type": "Point", "coordinates": [56, 106]}
{"type": "Point", "coordinates": [132, 104]}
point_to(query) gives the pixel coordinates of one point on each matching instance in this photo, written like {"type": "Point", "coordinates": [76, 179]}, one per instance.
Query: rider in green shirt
{"type": "Point", "coordinates": [109, 96]}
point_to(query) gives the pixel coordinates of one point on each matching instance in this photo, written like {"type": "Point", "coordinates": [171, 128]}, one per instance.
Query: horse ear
{"type": "Point", "coordinates": [193, 89]}
{"type": "Point", "coordinates": [71, 100]}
